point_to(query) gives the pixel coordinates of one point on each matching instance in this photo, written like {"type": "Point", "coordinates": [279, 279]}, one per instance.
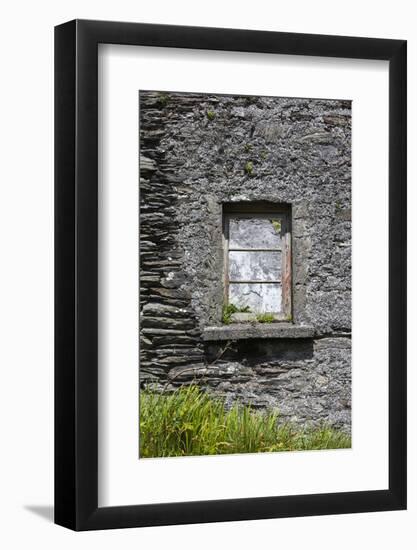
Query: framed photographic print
{"type": "Point", "coordinates": [230, 275]}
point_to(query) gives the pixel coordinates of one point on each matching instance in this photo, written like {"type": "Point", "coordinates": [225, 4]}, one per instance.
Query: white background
{"type": "Point", "coordinates": [26, 205]}
{"type": "Point", "coordinates": [123, 479]}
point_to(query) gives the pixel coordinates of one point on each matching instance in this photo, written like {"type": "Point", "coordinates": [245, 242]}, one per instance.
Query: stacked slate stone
{"type": "Point", "coordinates": [168, 335]}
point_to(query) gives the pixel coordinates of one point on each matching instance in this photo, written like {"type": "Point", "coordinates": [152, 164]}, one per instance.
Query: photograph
{"type": "Point", "coordinates": [205, 263]}
{"type": "Point", "coordinates": [245, 238]}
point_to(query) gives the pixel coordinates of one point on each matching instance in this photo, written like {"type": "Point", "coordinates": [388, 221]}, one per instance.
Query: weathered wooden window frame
{"type": "Point", "coordinates": [262, 211]}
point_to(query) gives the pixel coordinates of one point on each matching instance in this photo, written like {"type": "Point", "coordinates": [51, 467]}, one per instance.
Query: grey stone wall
{"type": "Point", "coordinates": [193, 153]}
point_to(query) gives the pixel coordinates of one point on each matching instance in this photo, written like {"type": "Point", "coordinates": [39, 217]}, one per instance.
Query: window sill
{"type": "Point", "coordinates": [244, 331]}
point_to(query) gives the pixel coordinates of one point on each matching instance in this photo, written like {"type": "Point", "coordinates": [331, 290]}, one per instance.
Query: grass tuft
{"type": "Point", "coordinates": [229, 309]}
{"type": "Point", "coordinates": [265, 318]}
{"type": "Point", "coordinates": [190, 422]}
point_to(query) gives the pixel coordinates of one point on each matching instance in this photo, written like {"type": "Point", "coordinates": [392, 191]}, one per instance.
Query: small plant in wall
{"type": "Point", "coordinates": [230, 309]}
{"type": "Point", "coordinates": [163, 99]}
{"type": "Point", "coordinates": [265, 318]}
{"type": "Point", "coordinates": [249, 168]}
{"type": "Point", "coordinates": [211, 115]}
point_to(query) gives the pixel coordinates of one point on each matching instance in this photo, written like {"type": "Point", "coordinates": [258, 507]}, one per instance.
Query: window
{"type": "Point", "coordinates": [257, 262]}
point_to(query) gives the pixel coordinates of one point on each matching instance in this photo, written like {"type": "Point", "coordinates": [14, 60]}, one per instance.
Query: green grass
{"type": "Point", "coordinates": [190, 422]}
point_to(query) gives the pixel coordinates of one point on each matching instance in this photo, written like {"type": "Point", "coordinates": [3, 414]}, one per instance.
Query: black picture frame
{"type": "Point", "coordinates": [76, 271]}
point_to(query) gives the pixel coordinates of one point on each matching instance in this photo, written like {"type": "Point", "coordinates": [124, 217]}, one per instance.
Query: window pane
{"type": "Point", "coordinates": [254, 266]}
{"type": "Point", "coordinates": [261, 298]}
{"type": "Point", "coordinates": [255, 233]}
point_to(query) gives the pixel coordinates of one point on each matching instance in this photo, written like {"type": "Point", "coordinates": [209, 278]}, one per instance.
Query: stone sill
{"type": "Point", "coordinates": [244, 331]}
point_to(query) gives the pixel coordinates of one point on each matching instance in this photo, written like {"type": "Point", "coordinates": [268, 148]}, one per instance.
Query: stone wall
{"type": "Point", "coordinates": [193, 152]}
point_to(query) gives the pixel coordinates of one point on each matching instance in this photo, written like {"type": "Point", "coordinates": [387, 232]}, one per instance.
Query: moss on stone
{"type": "Point", "coordinates": [276, 225]}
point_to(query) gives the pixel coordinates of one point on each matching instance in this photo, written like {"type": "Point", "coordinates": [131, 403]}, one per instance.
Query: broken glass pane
{"type": "Point", "coordinates": [254, 266]}
{"type": "Point", "coordinates": [261, 298]}
{"type": "Point", "coordinates": [255, 233]}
